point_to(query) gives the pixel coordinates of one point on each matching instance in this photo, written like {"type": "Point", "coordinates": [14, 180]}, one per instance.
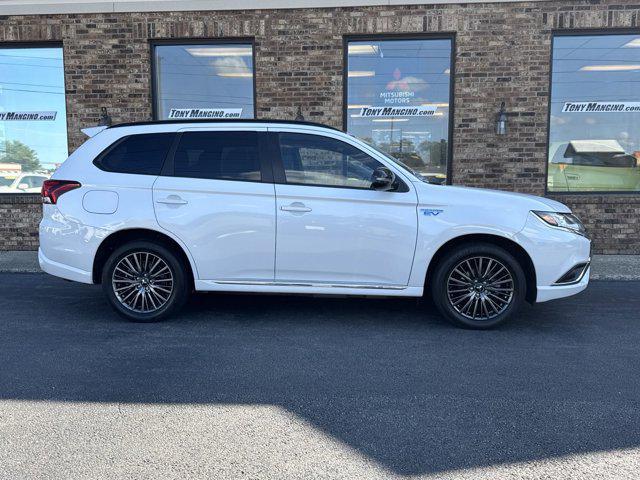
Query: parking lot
{"type": "Point", "coordinates": [242, 386]}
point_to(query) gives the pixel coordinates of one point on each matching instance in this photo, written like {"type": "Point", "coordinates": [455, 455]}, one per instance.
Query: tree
{"type": "Point", "coordinates": [18, 152]}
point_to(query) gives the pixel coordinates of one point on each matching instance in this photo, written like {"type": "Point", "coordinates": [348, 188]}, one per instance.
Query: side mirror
{"type": "Point", "coordinates": [383, 179]}
{"type": "Point", "coordinates": [23, 186]}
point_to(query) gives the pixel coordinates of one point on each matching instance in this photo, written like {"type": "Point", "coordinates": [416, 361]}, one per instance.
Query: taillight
{"type": "Point", "coordinates": [52, 189]}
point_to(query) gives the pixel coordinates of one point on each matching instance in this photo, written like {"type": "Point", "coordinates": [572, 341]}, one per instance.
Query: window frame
{"type": "Point", "coordinates": [578, 32]}
{"type": "Point", "coordinates": [42, 44]}
{"type": "Point", "coordinates": [405, 36]}
{"type": "Point", "coordinates": [168, 42]}
{"type": "Point", "coordinates": [280, 177]}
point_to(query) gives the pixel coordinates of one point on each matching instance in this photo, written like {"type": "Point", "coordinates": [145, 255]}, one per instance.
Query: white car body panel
{"type": "Point", "coordinates": [348, 235]}
{"type": "Point", "coordinates": [228, 226]}
{"type": "Point", "coordinates": [237, 238]}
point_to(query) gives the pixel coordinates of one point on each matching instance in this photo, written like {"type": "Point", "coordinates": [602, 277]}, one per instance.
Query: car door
{"type": "Point", "coordinates": [332, 227]}
{"type": "Point", "coordinates": [216, 194]}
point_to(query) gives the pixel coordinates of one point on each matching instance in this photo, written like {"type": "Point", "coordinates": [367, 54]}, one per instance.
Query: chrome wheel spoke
{"type": "Point", "coordinates": [480, 288]}
{"type": "Point", "coordinates": [142, 282]}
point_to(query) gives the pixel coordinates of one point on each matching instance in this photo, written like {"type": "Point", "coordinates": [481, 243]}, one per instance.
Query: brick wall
{"type": "Point", "coordinates": [19, 218]}
{"type": "Point", "coordinates": [502, 54]}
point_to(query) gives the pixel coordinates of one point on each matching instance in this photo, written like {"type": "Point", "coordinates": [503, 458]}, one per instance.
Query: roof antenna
{"type": "Point", "coordinates": [105, 119]}
{"type": "Point", "coordinates": [299, 116]}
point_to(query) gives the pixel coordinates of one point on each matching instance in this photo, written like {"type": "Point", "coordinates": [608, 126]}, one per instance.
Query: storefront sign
{"type": "Point", "coordinates": [204, 113]}
{"type": "Point", "coordinates": [27, 116]}
{"type": "Point", "coordinates": [600, 107]}
{"type": "Point", "coordinates": [418, 111]}
{"type": "Point", "coordinates": [397, 98]}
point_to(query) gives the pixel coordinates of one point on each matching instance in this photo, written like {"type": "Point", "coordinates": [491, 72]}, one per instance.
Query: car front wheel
{"type": "Point", "coordinates": [478, 286]}
{"type": "Point", "coordinates": [145, 281]}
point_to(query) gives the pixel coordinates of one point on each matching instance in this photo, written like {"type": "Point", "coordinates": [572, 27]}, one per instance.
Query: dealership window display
{"type": "Point", "coordinates": [594, 133]}
{"type": "Point", "coordinates": [33, 120]}
{"type": "Point", "coordinates": [203, 81]}
{"type": "Point", "coordinates": [398, 99]}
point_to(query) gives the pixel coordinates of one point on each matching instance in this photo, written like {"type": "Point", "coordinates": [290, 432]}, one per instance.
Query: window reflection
{"type": "Point", "coordinates": [398, 96]}
{"type": "Point", "coordinates": [595, 114]}
{"type": "Point", "coordinates": [204, 81]}
{"type": "Point", "coordinates": [33, 117]}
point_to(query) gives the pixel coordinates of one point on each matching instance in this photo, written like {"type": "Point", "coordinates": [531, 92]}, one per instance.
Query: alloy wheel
{"type": "Point", "coordinates": [480, 288]}
{"type": "Point", "coordinates": [142, 282]}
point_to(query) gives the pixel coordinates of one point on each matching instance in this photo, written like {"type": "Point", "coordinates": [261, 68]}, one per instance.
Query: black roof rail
{"type": "Point", "coordinates": [223, 120]}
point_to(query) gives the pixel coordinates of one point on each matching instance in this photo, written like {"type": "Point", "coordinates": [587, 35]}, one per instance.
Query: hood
{"type": "Point", "coordinates": [495, 198]}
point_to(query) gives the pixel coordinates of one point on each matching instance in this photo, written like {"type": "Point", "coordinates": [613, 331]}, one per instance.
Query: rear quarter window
{"type": "Point", "coordinates": [142, 154]}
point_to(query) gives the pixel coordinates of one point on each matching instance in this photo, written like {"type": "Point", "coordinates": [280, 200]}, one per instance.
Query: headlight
{"type": "Point", "coordinates": [566, 221]}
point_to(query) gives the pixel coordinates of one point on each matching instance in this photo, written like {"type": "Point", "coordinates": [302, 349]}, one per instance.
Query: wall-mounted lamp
{"type": "Point", "coordinates": [105, 119]}
{"type": "Point", "coordinates": [501, 121]}
{"type": "Point", "coordinates": [299, 115]}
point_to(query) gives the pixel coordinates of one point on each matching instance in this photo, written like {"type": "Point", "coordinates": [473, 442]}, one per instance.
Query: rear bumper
{"type": "Point", "coordinates": [63, 271]}
{"type": "Point", "coordinates": [67, 246]}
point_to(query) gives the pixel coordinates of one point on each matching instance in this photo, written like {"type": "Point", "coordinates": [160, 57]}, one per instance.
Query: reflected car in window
{"type": "Point", "coordinates": [23, 183]}
{"type": "Point", "coordinates": [594, 165]}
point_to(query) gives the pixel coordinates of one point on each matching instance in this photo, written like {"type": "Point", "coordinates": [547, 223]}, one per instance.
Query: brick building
{"type": "Point", "coordinates": [568, 72]}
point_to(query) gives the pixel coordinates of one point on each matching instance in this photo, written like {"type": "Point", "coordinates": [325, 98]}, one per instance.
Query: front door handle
{"type": "Point", "coordinates": [296, 207]}
{"type": "Point", "coordinates": [172, 200]}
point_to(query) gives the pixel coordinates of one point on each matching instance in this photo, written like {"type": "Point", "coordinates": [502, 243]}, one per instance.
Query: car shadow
{"type": "Point", "coordinates": [386, 376]}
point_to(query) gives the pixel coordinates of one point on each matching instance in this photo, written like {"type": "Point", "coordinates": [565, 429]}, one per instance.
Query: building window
{"type": "Point", "coordinates": [398, 98]}
{"type": "Point", "coordinates": [594, 132]}
{"type": "Point", "coordinates": [203, 81]}
{"type": "Point", "coordinates": [33, 117]}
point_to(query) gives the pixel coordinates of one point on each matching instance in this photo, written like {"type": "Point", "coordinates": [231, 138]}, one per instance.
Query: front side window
{"type": "Point", "coordinates": [398, 99]}
{"type": "Point", "coordinates": [324, 161]}
{"type": "Point", "coordinates": [203, 81]}
{"type": "Point", "coordinates": [137, 154]}
{"type": "Point", "coordinates": [33, 117]}
{"type": "Point", "coordinates": [218, 156]}
{"type": "Point", "coordinates": [594, 133]}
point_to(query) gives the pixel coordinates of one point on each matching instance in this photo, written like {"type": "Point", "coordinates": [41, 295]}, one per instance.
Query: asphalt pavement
{"type": "Point", "coordinates": [241, 386]}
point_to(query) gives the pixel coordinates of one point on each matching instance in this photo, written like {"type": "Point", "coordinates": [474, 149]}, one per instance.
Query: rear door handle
{"type": "Point", "coordinates": [296, 207]}
{"type": "Point", "coordinates": [172, 200]}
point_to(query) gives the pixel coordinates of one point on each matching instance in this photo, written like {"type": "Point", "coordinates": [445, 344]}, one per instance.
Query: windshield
{"type": "Point", "coordinates": [6, 181]}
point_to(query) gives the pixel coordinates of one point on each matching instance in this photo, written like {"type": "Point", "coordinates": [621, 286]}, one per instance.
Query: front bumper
{"type": "Point", "coordinates": [552, 292]}
{"type": "Point", "coordinates": [554, 252]}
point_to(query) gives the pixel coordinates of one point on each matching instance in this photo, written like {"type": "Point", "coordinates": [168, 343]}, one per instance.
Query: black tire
{"type": "Point", "coordinates": [178, 276]}
{"type": "Point", "coordinates": [506, 290]}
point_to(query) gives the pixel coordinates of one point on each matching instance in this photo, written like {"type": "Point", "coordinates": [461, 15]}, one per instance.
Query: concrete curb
{"type": "Point", "coordinates": [604, 267]}
{"type": "Point", "coordinates": [615, 267]}
{"type": "Point", "coordinates": [19, 262]}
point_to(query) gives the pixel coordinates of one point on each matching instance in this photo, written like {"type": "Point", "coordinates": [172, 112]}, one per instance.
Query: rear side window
{"type": "Point", "coordinates": [139, 154]}
{"type": "Point", "coordinates": [218, 155]}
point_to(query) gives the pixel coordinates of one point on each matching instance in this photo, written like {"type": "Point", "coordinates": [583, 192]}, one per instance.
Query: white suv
{"type": "Point", "coordinates": [155, 210]}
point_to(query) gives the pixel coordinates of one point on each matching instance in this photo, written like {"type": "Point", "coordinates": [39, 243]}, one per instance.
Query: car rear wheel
{"type": "Point", "coordinates": [478, 286]}
{"type": "Point", "coordinates": [145, 281]}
